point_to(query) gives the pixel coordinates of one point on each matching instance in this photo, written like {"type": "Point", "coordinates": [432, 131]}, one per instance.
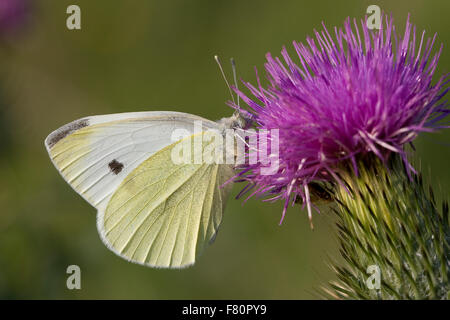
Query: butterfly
{"type": "Point", "coordinates": [150, 210]}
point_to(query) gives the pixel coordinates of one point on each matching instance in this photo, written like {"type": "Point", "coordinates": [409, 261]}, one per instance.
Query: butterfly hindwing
{"type": "Point", "coordinates": [163, 214]}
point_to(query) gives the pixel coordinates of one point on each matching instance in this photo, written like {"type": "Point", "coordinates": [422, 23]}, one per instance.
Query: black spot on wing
{"type": "Point", "coordinates": [64, 131]}
{"type": "Point", "coordinates": [115, 166]}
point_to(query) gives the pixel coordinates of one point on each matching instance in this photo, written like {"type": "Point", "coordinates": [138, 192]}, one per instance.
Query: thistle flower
{"type": "Point", "coordinates": [12, 15]}
{"type": "Point", "coordinates": [357, 94]}
{"type": "Point", "coordinates": [344, 115]}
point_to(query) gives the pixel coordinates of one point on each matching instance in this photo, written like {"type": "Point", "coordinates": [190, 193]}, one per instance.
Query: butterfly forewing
{"type": "Point", "coordinates": [95, 154]}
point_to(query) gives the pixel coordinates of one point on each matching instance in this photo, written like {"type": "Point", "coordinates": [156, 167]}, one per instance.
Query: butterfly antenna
{"type": "Point", "coordinates": [233, 66]}
{"type": "Point", "coordinates": [216, 57]}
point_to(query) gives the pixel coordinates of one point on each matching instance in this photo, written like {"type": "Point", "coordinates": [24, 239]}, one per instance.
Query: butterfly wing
{"type": "Point", "coordinates": [150, 210]}
{"type": "Point", "coordinates": [95, 154]}
{"type": "Point", "coordinates": [163, 214]}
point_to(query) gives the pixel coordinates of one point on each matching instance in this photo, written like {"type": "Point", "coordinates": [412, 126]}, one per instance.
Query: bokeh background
{"type": "Point", "coordinates": [138, 55]}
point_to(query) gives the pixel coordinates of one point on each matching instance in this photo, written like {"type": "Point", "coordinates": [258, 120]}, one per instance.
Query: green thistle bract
{"type": "Point", "coordinates": [387, 220]}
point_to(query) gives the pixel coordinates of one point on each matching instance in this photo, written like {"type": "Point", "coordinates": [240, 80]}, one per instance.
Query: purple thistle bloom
{"type": "Point", "coordinates": [362, 93]}
{"type": "Point", "coordinates": [12, 14]}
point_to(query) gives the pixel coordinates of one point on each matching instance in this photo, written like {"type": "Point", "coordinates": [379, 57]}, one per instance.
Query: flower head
{"type": "Point", "coordinates": [12, 14]}
{"type": "Point", "coordinates": [359, 93]}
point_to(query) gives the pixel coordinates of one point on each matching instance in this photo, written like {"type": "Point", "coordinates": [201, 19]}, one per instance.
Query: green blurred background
{"type": "Point", "coordinates": [140, 55]}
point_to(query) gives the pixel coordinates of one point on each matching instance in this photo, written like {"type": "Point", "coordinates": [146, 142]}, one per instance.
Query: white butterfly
{"type": "Point", "coordinates": [149, 210]}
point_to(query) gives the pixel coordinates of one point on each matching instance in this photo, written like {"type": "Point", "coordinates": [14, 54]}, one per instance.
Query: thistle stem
{"type": "Point", "coordinates": [389, 220]}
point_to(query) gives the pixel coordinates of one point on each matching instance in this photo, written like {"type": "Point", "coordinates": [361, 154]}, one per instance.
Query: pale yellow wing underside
{"type": "Point", "coordinates": [163, 214]}
{"type": "Point", "coordinates": [95, 154]}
